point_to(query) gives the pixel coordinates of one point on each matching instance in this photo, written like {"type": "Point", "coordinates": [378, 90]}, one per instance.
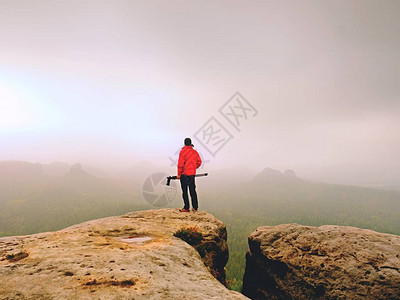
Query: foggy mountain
{"type": "Point", "coordinates": [56, 168]}
{"type": "Point", "coordinates": [269, 175]}
{"type": "Point", "coordinates": [20, 172]}
{"type": "Point", "coordinates": [25, 185]}
{"type": "Point", "coordinates": [32, 200]}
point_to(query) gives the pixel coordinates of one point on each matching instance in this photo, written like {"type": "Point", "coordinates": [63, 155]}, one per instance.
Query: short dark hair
{"type": "Point", "coordinates": [188, 142]}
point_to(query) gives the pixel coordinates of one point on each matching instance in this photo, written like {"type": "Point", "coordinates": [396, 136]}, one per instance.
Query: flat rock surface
{"type": "Point", "coordinates": [292, 261]}
{"type": "Point", "coordinates": [134, 256]}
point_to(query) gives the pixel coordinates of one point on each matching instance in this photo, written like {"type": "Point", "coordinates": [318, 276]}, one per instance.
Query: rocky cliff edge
{"type": "Point", "coordinates": [292, 261]}
{"type": "Point", "coordinates": [134, 256]}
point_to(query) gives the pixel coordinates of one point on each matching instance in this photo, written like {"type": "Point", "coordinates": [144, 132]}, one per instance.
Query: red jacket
{"type": "Point", "coordinates": [189, 161]}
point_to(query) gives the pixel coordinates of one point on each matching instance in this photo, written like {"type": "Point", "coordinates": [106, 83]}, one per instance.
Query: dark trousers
{"type": "Point", "coordinates": [188, 181]}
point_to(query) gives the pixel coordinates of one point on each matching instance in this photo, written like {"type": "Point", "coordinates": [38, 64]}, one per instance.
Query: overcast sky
{"type": "Point", "coordinates": [116, 82]}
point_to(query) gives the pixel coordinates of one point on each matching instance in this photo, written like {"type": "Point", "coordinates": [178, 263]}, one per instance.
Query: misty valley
{"type": "Point", "coordinates": [38, 198]}
{"type": "Point", "coordinates": [200, 149]}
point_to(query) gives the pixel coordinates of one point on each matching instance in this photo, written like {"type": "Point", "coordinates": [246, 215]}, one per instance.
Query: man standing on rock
{"type": "Point", "coordinates": [189, 161]}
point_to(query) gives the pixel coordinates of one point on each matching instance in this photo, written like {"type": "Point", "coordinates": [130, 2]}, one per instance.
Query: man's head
{"type": "Point", "coordinates": [188, 142]}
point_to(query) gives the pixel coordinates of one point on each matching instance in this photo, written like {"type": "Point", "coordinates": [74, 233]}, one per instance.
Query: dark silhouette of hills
{"type": "Point", "coordinates": [269, 175]}
{"type": "Point", "coordinates": [61, 168]}
{"type": "Point", "coordinates": [56, 168]}
{"type": "Point", "coordinates": [78, 178]}
{"type": "Point", "coordinates": [20, 172]}
{"type": "Point", "coordinates": [76, 172]}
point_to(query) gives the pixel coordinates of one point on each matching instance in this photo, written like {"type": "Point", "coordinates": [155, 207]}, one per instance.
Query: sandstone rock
{"type": "Point", "coordinates": [134, 256]}
{"type": "Point", "coordinates": [329, 262]}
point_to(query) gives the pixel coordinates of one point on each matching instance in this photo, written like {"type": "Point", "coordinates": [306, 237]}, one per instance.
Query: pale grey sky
{"type": "Point", "coordinates": [123, 81]}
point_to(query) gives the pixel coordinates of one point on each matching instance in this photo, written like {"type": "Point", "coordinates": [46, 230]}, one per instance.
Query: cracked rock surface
{"type": "Point", "coordinates": [134, 256]}
{"type": "Point", "coordinates": [292, 261]}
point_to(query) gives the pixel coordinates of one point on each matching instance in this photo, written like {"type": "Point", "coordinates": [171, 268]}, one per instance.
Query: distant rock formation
{"type": "Point", "coordinates": [20, 172]}
{"type": "Point", "coordinates": [134, 256]}
{"type": "Point", "coordinates": [59, 169]}
{"type": "Point", "coordinates": [273, 176]}
{"type": "Point", "coordinates": [289, 173]}
{"type": "Point", "coordinates": [76, 169]}
{"type": "Point", "coordinates": [56, 168]}
{"type": "Point", "coordinates": [292, 261]}
{"type": "Point", "coordinates": [78, 176]}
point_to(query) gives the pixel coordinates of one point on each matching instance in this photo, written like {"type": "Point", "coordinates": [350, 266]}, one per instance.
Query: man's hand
{"type": "Point", "coordinates": [178, 177]}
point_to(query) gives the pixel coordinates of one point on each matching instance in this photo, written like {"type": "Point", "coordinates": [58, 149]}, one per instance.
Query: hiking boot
{"type": "Point", "coordinates": [184, 210]}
